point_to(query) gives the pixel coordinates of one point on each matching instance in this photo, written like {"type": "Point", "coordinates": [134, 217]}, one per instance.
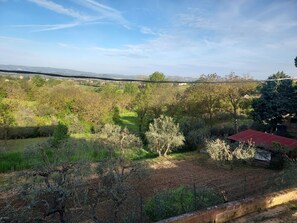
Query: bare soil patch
{"type": "Point", "coordinates": [170, 173]}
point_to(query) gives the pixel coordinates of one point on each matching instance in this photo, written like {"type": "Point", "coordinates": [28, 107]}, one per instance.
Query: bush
{"type": "Point", "coordinates": [219, 150]}
{"type": "Point", "coordinates": [180, 200]}
{"type": "Point", "coordinates": [194, 131]}
{"type": "Point", "coordinates": [196, 138]}
{"type": "Point", "coordinates": [60, 133]}
{"type": "Point", "coordinates": [222, 131]}
{"type": "Point", "coordinates": [164, 135]}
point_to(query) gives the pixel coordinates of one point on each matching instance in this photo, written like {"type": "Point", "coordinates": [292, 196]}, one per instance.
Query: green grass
{"type": "Point", "coordinates": [12, 161]}
{"type": "Point", "coordinates": [140, 154]}
{"type": "Point", "coordinates": [20, 144]}
{"type": "Point", "coordinates": [189, 156]}
{"type": "Point", "coordinates": [129, 119]}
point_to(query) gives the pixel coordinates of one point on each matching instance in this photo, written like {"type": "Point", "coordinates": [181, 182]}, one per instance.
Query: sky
{"type": "Point", "coordinates": [137, 37]}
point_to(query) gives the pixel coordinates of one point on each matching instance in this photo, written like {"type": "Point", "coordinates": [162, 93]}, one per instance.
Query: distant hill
{"type": "Point", "coordinates": [84, 73]}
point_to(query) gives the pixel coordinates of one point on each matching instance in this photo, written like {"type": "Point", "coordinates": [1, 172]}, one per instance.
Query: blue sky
{"type": "Point", "coordinates": [176, 37]}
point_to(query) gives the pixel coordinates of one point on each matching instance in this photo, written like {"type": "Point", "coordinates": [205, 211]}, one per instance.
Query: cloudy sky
{"type": "Point", "coordinates": [176, 37]}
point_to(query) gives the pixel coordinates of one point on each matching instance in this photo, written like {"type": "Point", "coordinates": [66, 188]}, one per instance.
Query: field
{"type": "Point", "coordinates": [129, 120]}
{"type": "Point", "coordinates": [196, 168]}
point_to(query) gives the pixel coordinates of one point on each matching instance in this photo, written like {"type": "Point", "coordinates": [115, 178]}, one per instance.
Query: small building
{"type": "Point", "coordinates": [268, 146]}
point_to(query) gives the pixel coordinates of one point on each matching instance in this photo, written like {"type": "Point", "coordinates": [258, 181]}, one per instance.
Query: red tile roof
{"type": "Point", "coordinates": [265, 140]}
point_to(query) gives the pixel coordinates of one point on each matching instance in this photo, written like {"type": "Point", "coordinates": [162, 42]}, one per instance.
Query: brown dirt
{"type": "Point", "coordinates": [170, 173]}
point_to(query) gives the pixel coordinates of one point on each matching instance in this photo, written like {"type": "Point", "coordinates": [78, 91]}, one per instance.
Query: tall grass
{"type": "Point", "coordinates": [12, 161]}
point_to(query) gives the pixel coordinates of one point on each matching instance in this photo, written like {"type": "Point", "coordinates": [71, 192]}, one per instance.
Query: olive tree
{"type": "Point", "coordinates": [55, 184]}
{"type": "Point", "coordinates": [119, 180]}
{"type": "Point", "coordinates": [119, 137]}
{"type": "Point", "coordinates": [220, 150]}
{"type": "Point", "coordinates": [164, 135]}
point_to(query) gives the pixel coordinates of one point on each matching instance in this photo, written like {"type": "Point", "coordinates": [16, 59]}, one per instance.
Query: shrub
{"type": "Point", "coordinates": [244, 151]}
{"type": "Point", "coordinates": [60, 133]}
{"type": "Point", "coordinates": [219, 150]}
{"type": "Point", "coordinates": [222, 131]}
{"type": "Point", "coordinates": [164, 135]}
{"type": "Point", "coordinates": [180, 200]}
{"type": "Point", "coordinates": [196, 138]}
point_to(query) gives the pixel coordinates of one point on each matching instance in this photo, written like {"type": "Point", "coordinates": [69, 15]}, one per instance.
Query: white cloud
{"type": "Point", "coordinates": [59, 9]}
{"type": "Point", "coordinates": [41, 28]}
{"type": "Point", "coordinates": [105, 11]}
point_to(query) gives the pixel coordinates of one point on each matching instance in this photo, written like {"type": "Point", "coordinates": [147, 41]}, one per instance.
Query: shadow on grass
{"type": "Point", "coordinates": [72, 150]}
{"type": "Point", "coordinates": [129, 120]}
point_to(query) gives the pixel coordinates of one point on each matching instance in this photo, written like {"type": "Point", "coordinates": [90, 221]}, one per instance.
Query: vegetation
{"type": "Point", "coordinates": [99, 131]}
{"type": "Point", "coordinates": [277, 100]}
{"type": "Point", "coordinates": [180, 200]}
{"type": "Point", "coordinates": [164, 135]}
{"type": "Point", "coordinates": [120, 138]}
{"type": "Point", "coordinates": [221, 151]}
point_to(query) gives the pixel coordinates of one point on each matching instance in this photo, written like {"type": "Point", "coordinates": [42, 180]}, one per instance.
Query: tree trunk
{"type": "Point", "coordinates": [235, 119]}
{"type": "Point", "coordinates": [167, 149]}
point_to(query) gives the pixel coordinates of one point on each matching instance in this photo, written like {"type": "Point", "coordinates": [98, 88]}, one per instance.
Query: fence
{"type": "Point", "coordinates": [244, 187]}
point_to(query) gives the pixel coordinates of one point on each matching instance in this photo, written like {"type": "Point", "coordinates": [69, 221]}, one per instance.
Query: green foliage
{"type": "Point", "coordinates": [173, 202]}
{"type": "Point", "coordinates": [38, 81]}
{"type": "Point", "coordinates": [219, 150]}
{"type": "Point", "coordinates": [12, 161]}
{"type": "Point", "coordinates": [129, 120]}
{"type": "Point", "coordinates": [116, 115]}
{"type": "Point", "coordinates": [54, 182]}
{"type": "Point", "coordinates": [157, 76]}
{"type": "Point", "coordinates": [6, 120]}
{"type": "Point", "coordinates": [130, 88]}
{"type": "Point", "coordinates": [244, 152]}
{"type": "Point", "coordinates": [195, 132]}
{"type": "Point", "coordinates": [60, 134]}
{"type": "Point", "coordinates": [119, 137]}
{"type": "Point", "coordinates": [164, 135]}
{"type": "Point", "coordinates": [3, 94]}
{"type": "Point", "coordinates": [276, 100]}
{"type": "Point", "coordinates": [222, 131]}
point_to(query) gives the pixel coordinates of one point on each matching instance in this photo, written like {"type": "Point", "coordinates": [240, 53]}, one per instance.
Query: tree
{"type": "Point", "coordinates": [164, 135]}
{"type": "Point", "coordinates": [119, 179]}
{"type": "Point", "coordinates": [276, 100]}
{"type": "Point", "coordinates": [157, 76]}
{"type": "Point", "coordinates": [142, 108]}
{"type": "Point", "coordinates": [220, 150]}
{"type": "Point", "coordinates": [296, 62]}
{"type": "Point", "coordinates": [204, 99]}
{"type": "Point", "coordinates": [54, 184]}
{"type": "Point", "coordinates": [119, 137]}
{"type": "Point", "coordinates": [6, 119]}
{"type": "Point", "coordinates": [130, 88]}
{"type": "Point", "coordinates": [38, 81]}
{"type": "Point", "coordinates": [236, 93]}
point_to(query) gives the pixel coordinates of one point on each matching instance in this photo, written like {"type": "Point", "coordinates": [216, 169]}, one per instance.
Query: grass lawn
{"type": "Point", "coordinates": [129, 119]}
{"type": "Point", "coordinates": [82, 148]}
{"type": "Point", "coordinates": [19, 144]}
